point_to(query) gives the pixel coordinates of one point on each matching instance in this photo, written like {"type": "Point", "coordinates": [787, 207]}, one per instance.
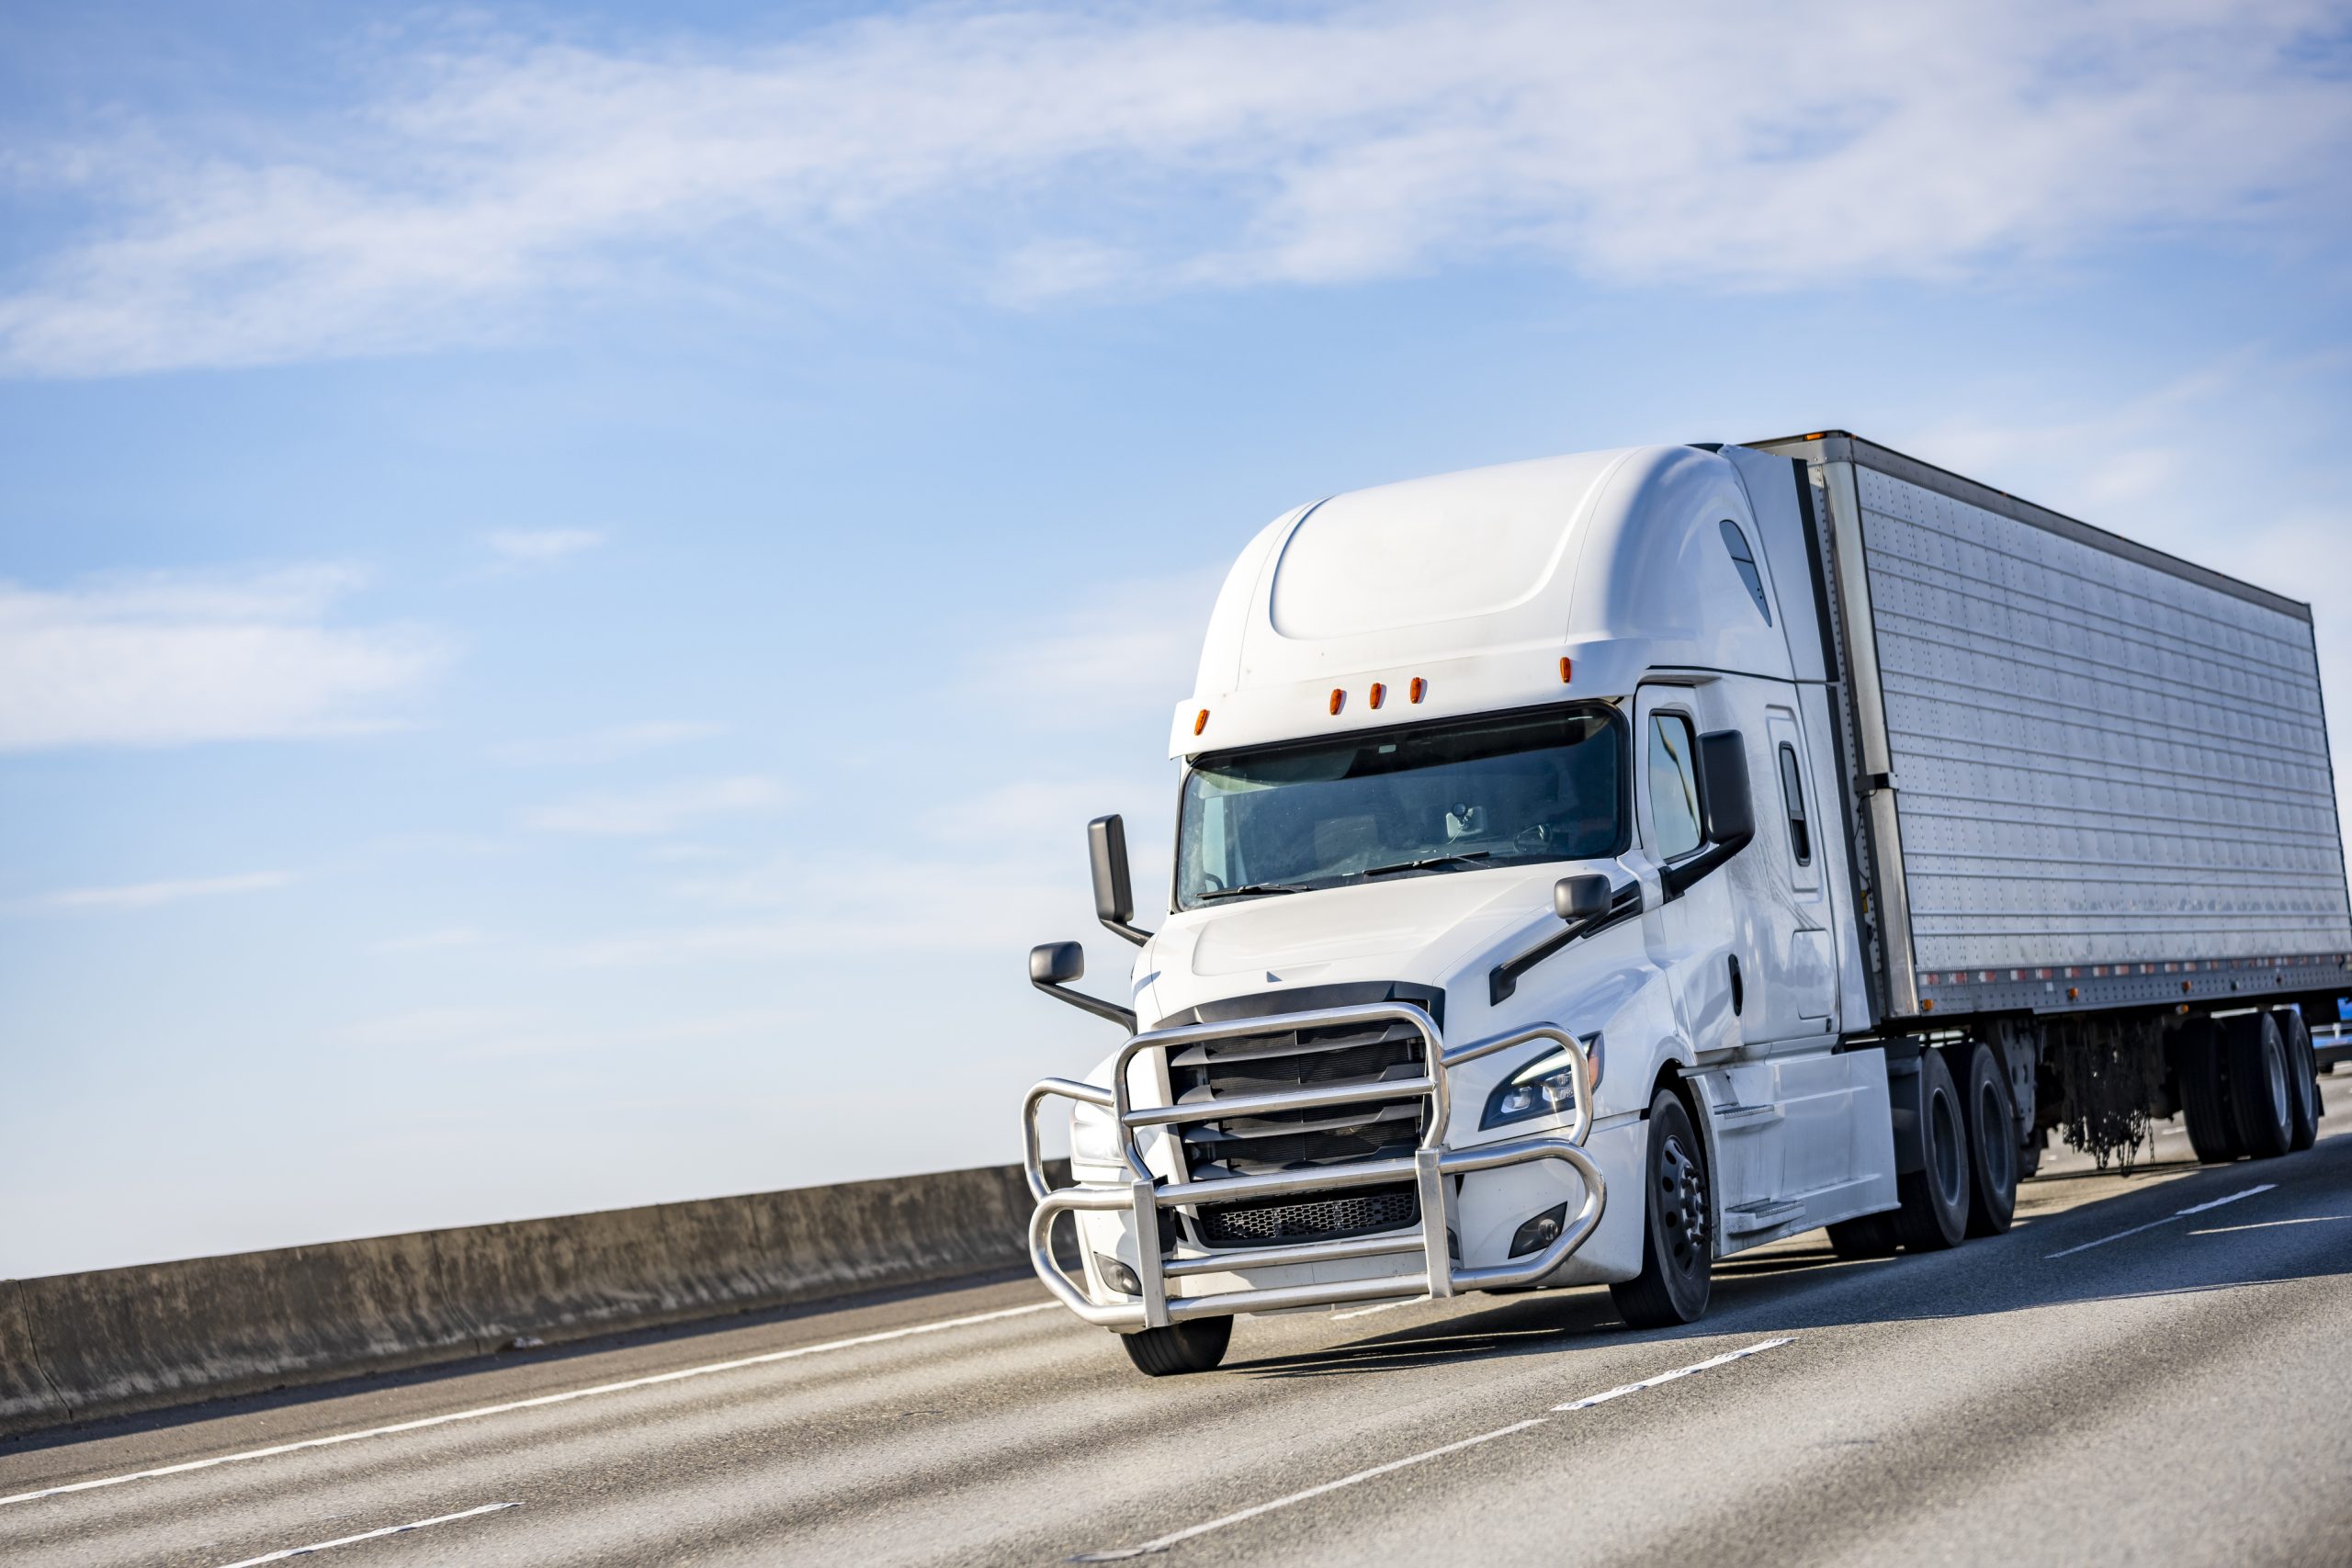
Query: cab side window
{"type": "Point", "coordinates": [1674, 786]}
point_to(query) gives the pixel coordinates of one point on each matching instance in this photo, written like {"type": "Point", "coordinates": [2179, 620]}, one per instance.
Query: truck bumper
{"type": "Point", "coordinates": [1177, 1284]}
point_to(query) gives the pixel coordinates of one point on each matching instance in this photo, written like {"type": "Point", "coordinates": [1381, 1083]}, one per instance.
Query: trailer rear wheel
{"type": "Point", "coordinates": [1933, 1215]}
{"type": "Point", "coordinates": [2261, 1095]}
{"type": "Point", "coordinates": [2302, 1075]}
{"type": "Point", "coordinates": [1194, 1347]}
{"type": "Point", "coordinates": [1991, 1142]}
{"type": "Point", "coordinates": [1678, 1231]}
{"type": "Point", "coordinates": [2198, 1062]}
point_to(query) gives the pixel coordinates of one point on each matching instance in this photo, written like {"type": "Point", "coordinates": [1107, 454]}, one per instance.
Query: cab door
{"type": "Point", "coordinates": [1689, 937]}
{"type": "Point", "coordinates": [1795, 987]}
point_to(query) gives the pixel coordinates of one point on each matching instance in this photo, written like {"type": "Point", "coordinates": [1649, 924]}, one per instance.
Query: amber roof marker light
{"type": "Point", "coordinates": [1379, 693]}
{"type": "Point", "coordinates": [1418, 690]}
{"type": "Point", "coordinates": [1563, 672]}
{"type": "Point", "coordinates": [1201, 721]}
{"type": "Point", "coordinates": [1338, 701]}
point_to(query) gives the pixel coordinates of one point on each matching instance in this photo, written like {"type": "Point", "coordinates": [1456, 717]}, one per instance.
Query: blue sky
{"type": "Point", "coordinates": [570, 579]}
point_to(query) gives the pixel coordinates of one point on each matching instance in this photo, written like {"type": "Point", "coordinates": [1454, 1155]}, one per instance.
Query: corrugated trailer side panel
{"type": "Point", "coordinates": [2109, 767]}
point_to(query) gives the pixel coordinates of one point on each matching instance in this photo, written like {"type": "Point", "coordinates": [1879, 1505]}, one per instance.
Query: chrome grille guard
{"type": "Point", "coordinates": [1143, 1195]}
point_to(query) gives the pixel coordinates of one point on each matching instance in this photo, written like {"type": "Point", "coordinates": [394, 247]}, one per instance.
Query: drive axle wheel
{"type": "Point", "coordinates": [1991, 1142]}
{"type": "Point", "coordinates": [1934, 1213]}
{"type": "Point", "coordinates": [1678, 1233]}
{"type": "Point", "coordinates": [1865, 1235]}
{"type": "Point", "coordinates": [1194, 1347]}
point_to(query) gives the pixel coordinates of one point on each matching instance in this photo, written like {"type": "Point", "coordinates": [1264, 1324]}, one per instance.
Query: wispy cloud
{"type": "Point", "coordinates": [605, 745]}
{"type": "Point", "coordinates": [149, 894]}
{"type": "Point", "coordinates": [1127, 648]}
{"type": "Point", "coordinates": [442, 940]}
{"type": "Point", "coordinates": [1119, 148]}
{"type": "Point", "coordinates": [664, 809]}
{"type": "Point", "coordinates": [165, 659]}
{"type": "Point", "coordinates": [539, 547]}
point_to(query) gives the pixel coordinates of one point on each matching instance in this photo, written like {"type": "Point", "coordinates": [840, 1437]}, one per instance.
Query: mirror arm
{"type": "Point", "coordinates": [1502, 980]}
{"type": "Point", "coordinates": [1136, 934]}
{"type": "Point", "coordinates": [1123, 1017]}
{"type": "Point", "coordinates": [1679, 879]}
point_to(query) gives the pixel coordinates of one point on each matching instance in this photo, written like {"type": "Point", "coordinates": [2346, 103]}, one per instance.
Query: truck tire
{"type": "Point", "coordinates": [1865, 1235]}
{"type": "Point", "coordinates": [2262, 1096]}
{"type": "Point", "coordinates": [1181, 1348]}
{"type": "Point", "coordinates": [1934, 1213]}
{"type": "Point", "coordinates": [2198, 1064]}
{"type": "Point", "coordinates": [1992, 1141]}
{"type": "Point", "coordinates": [2302, 1075]}
{"type": "Point", "coordinates": [1678, 1229]}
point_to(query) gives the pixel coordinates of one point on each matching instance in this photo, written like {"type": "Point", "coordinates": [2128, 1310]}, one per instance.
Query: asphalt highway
{"type": "Point", "coordinates": [2149, 1369]}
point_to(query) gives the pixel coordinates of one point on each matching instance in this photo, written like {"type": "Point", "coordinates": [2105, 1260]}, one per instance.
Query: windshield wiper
{"type": "Point", "coordinates": [1426, 861]}
{"type": "Point", "coordinates": [1247, 887]}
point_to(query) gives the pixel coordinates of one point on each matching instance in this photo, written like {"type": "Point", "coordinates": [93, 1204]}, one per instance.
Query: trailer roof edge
{"type": "Point", "coordinates": [1838, 445]}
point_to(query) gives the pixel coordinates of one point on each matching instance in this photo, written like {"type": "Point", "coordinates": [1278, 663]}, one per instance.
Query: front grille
{"type": "Point", "coordinates": [1359, 1212]}
{"type": "Point", "coordinates": [1289, 1141]}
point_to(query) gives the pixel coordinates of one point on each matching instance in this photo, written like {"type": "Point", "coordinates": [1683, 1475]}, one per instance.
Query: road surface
{"type": "Point", "coordinates": [2151, 1369]}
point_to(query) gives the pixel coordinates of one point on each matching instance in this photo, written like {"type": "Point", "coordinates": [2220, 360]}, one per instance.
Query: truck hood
{"type": "Point", "coordinates": [1417, 928]}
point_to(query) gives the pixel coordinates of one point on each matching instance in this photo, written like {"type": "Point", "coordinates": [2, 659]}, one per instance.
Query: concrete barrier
{"type": "Point", "coordinates": [82, 1346]}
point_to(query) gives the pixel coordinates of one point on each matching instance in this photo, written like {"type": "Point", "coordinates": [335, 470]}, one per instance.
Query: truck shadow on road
{"type": "Point", "coordinates": [2299, 1229]}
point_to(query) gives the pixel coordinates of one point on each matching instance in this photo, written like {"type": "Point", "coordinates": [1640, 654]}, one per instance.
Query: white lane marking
{"type": "Point", "coordinates": [372, 1535]}
{"type": "Point", "coordinates": [1385, 1306]}
{"type": "Point", "coordinates": [533, 1404]}
{"type": "Point", "coordinates": [1713, 1361]}
{"type": "Point", "coordinates": [2271, 1224]}
{"type": "Point", "coordinates": [2177, 1215]}
{"type": "Point", "coordinates": [1165, 1542]}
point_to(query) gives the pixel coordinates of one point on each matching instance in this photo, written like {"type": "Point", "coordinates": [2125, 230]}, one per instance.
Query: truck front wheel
{"type": "Point", "coordinates": [1194, 1347]}
{"type": "Point", "coordinates": [1678, 1234]}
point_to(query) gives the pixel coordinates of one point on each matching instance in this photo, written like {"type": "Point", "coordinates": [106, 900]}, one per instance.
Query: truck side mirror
{"type": "Point", "coordinates": [1727, 810]}
{"type": "Point", "coordinates": [1576, 899]}
{"type": "Point", "coordinates": [1114, 894]}
{"type": "Point", "coordinates": [1054, 964]}
{"type": "Point", "coordinates": [1057, 964]}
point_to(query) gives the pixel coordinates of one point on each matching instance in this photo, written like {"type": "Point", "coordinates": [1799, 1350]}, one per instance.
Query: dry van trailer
{"type": "Point", "coordinates": [2087, 786]}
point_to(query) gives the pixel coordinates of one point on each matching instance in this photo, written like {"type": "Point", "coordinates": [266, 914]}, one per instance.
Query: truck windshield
{"type": "Point", "coordinates": [1464, 793]}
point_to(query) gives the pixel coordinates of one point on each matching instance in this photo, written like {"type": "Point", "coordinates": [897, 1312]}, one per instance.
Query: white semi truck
{"type": "Point", "coordinates": [1592, 867]}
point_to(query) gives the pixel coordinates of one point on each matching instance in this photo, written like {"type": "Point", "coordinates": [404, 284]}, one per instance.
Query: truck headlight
{"type": "Point", "coordinates": [1546, 1087]}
